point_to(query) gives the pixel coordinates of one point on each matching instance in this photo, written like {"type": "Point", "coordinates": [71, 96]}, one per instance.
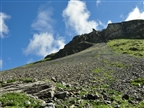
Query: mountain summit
{"type": "Point", "coordinates": [124, 30]}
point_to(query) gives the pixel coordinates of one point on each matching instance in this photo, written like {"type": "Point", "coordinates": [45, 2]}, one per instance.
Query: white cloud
{"type": "Point", "coordinates": [109, 21]}
{"type": "Point", "coordinates": [98, 2]}
{"type": "Point", "coordinates": [135, 14]}
{"type": "Point", "coordinates": [77, 16]}
{"type": "Point", "coordinates": [103, 25]}
{"type": "Point", "coordinates": [1, 62]}
{"type": "Point", "coordinates": [43, 42]}
{"type": "Point", "coordinates": [3, 27]}
{"type": "Point", "coordinates": [43, 22]}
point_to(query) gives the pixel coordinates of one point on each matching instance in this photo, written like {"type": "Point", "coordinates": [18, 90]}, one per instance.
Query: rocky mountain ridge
{"type": "Point", "coordinates": [131, 30]}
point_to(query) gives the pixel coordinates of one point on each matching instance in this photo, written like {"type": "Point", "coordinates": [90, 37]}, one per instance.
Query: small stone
{"type": "Point", "coordinates": [88, 105]}
{"type": "Point", "coordinates": [58, 102]}
{"type": "Point", "coordinates": [35, 80]}
{"type": "Point", "coordinates": [125, 96]}
{"type": "Point", "coordinates": [97, 95]}
{"type": "Point", "coordinates": [108, 102]}
{"type": "Point", "coordinates": [68, 85]}
{"type": "Point", "coordinates": [80, 101]}
{"type": "Point", "coordinates": [65, 106]}
{"type": "Point", "coordinates": [27, 103]}
{"type": "Point", "coordinates": [51, 94]}
{"type": "Point", "coordinates": [61, 95]}
{"type": "Point", "coordinates": [72, 106]}
{"type": "Point", "coordinates": [139, 99]}
{"type": "Point", "coordinates": [63, 83]}
{"type": "Point", "coordinates": [73, 102]}
{"type": "Point", "coordinates": [91, 97]}
{"type": "Point", "coordinates": [104, 95]}
{"type": "Point", "coordinates": [34, 97]}
{"type": "Point", "coordinates": [117, 106]}
{"type": "Point", "coordinates": [42, 101]}
{"type": "Point", "coordinates": [53, 79]}
{"type": "Point", "coordinates": [139, 85]}
{"type": "Point", "coordinates": [131, 102]}
{"type": "Point", "coordinates": [50, 105]}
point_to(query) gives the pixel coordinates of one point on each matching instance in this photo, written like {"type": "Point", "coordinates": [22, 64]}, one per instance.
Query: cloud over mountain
{"type": "Point", "coordinates": [135, 14]}
{"type": "Point", "coordinates": [76, 16]}
{"type": "Point", "coordinates": [43, 42]}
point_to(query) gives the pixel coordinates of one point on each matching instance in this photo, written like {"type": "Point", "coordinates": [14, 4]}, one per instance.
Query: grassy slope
{"type": "Point", "coordinates": [134, 47]}
{"type": "Point", "coordinates": [17, 100]}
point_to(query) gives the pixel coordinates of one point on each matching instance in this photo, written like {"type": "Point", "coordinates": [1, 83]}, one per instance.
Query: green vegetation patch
{"type": "Point", "coordinates": [59, 85]}
{"type": "Point", "coordinates": [134, 47]}
{"type": "Point", "coordinates": [102, 75]}
{"type": "Point", "coordinates": [138, 81]}
{"type": "Point", "coordinates": [40, 61]}
{"type": "Point", "coordinates": [116, 64]}
{"type": "Point", "coordinates": [43, 60]}
{"type": "Point", "coordinates": [24, 80]}
{"type": "Point", "coordinates": [17, 100]}
{"type": "Point", "coordinates": [12, 80]}
{"type": "Point", "coordinates": [98, 70]}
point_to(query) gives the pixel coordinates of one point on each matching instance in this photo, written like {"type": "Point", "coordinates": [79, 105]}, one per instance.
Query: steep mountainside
{"type": "Point", "coordinates": [130, 30]}
{"type": "Point", "coordinates": [102, 69]}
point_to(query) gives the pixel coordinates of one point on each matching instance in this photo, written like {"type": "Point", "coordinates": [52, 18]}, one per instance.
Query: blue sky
{"type": "Point", "coordinates": [32, 29]}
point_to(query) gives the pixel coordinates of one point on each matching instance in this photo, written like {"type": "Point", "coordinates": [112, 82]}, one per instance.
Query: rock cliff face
{"type": "Point", "coordinates": [131, 29]}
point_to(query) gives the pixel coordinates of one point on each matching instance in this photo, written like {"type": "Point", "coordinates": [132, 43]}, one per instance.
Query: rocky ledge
{"type": "Point", "coordinates": [54, 94]}
{"type": "Point", "coordinates": [128, 30]}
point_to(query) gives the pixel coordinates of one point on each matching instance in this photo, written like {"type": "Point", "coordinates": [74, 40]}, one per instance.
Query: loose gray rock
{"type": "Point", "coordinates": [91, 97]}
{"type": "Point", "coordinates": [53, 79]}
{"type": "Point", "coordinates": [48, 105]}
{"type": "Point", "coordinates": [61, 95]}
{"type": "Point", "coordinates": [125, 96]}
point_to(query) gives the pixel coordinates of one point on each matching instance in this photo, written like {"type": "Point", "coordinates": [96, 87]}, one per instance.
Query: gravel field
{"type": "Point", "coordinates": [115, 70]}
